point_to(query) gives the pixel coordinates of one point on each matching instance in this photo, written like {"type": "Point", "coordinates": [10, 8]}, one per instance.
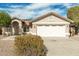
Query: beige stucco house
{"type": "Point", "coordinates": [51, 25]}
{"type": "Point", "coordinates": [47, 25]}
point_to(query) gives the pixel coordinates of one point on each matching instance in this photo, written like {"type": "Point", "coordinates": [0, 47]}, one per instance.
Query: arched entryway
{"type": "Point", "coordinates": [15, 25]}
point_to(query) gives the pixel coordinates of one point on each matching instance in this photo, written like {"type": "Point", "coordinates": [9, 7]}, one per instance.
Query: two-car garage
{"type": "Point", "coordinates": [51, 31]}
{"type": "Point", "coordinates": [51, 25]}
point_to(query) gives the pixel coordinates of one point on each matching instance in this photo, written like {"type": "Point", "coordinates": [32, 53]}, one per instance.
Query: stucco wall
{"type": "Point", "coordinates": [51, 20]}
{"type": "Point", "coordinates": [33, 29]}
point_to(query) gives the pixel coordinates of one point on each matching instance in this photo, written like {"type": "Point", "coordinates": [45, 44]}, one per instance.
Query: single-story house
{"type": "Point", "coordinates": [51, 25]}
{"type": "Point", "coordinates": [47, 25]}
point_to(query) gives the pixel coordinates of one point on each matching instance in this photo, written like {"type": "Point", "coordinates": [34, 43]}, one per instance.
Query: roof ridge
{"type": "Point", "coordinates": [51, 13]}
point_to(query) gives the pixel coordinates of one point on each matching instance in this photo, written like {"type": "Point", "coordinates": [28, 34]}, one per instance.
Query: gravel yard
{"type": "Point", "coordinates": [58, 47]}
{"type": "Point", "coordinates": [6, 46]}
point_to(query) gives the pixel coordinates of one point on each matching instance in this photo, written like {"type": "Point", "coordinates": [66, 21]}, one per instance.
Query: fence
{"type": "Point", "coordinates": [7, 31]}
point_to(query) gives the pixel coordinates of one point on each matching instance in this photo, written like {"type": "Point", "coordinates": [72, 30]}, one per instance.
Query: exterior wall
{"type": "Point", "coordinates": [51, 20]}
{"type": "Point", "coordinates": [3, 30]}
{"type": "Point", "coordinates": [67, 31]}
{"type": "Point", "coordinates": [33, 30]}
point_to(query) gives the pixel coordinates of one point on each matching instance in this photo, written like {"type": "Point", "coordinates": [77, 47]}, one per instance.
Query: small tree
{"type": "Point", "coordinates": [73, 14]}
{"type": "Point", "coordinates": [5, 19]}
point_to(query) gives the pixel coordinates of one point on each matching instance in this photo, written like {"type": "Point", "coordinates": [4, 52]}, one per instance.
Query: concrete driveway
{"type": "Point", "coordinates": [62, 46]}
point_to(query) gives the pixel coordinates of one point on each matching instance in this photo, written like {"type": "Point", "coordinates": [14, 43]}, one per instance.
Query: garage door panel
{"type": "Point", "coordinates": [54, 31]}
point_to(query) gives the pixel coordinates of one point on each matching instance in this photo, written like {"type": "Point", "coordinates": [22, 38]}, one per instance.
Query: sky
{"type": "Point", "coordinates": [32, 10]}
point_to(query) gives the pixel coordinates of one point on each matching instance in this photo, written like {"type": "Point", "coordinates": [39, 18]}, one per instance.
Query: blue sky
{"type": "Point", "coordinates": [32, 10]}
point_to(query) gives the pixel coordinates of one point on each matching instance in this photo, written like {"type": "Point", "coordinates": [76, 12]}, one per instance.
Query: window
{"type": "Point", "coordinates": [25, 29]}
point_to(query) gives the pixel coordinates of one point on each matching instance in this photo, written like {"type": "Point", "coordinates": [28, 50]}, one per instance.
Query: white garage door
{"type": "Point", "coordinates": [51, 31]}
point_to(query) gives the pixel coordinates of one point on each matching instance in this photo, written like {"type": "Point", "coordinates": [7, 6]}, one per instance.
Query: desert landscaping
{"type": "Point", "coordinates": [68, 47]}
{"type": "Point", "coordinates": [49, 31]}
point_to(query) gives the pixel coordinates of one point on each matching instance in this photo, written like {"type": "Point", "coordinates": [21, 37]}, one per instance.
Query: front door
{"type": "Point", "coordinates": [16, 28]}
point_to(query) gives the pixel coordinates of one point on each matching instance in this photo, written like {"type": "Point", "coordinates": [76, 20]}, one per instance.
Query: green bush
{"type": "Point", "coordinates": [30, 45]}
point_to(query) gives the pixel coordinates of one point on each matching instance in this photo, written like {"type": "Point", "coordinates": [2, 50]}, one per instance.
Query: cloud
{"type": "Point", "coordinates": [16, 6]}
{"type": "Point", "coordinates": [68, 5]}
{"type": "Point", "coordinates": [43, 12]}
{"type": "Point", "coordinates": [37, 6]}
{"type": "Point", "coordinates": [28, 11]}
{"type": "Point", "coordinates": [23, 14]}
{"type": "Point", "coordinates": [34, 10]}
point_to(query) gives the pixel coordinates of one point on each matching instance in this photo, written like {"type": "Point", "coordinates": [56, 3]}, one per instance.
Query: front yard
{"type": "Point", "coordinates": [63, 47]}
{"type": "Point", "coordinates": [6, 46]}
{"type": "Point", "coordinates": [55, 47]}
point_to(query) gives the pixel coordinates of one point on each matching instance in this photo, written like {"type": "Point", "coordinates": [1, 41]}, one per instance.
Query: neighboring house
{"type": "Point", "coordinates": [47, 25]}
{"type": "Point", "coordinates": [51, 25]}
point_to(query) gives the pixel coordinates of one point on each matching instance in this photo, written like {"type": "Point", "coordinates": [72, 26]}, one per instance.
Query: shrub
{"type": "Point", "coordinates": [30, 45]}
